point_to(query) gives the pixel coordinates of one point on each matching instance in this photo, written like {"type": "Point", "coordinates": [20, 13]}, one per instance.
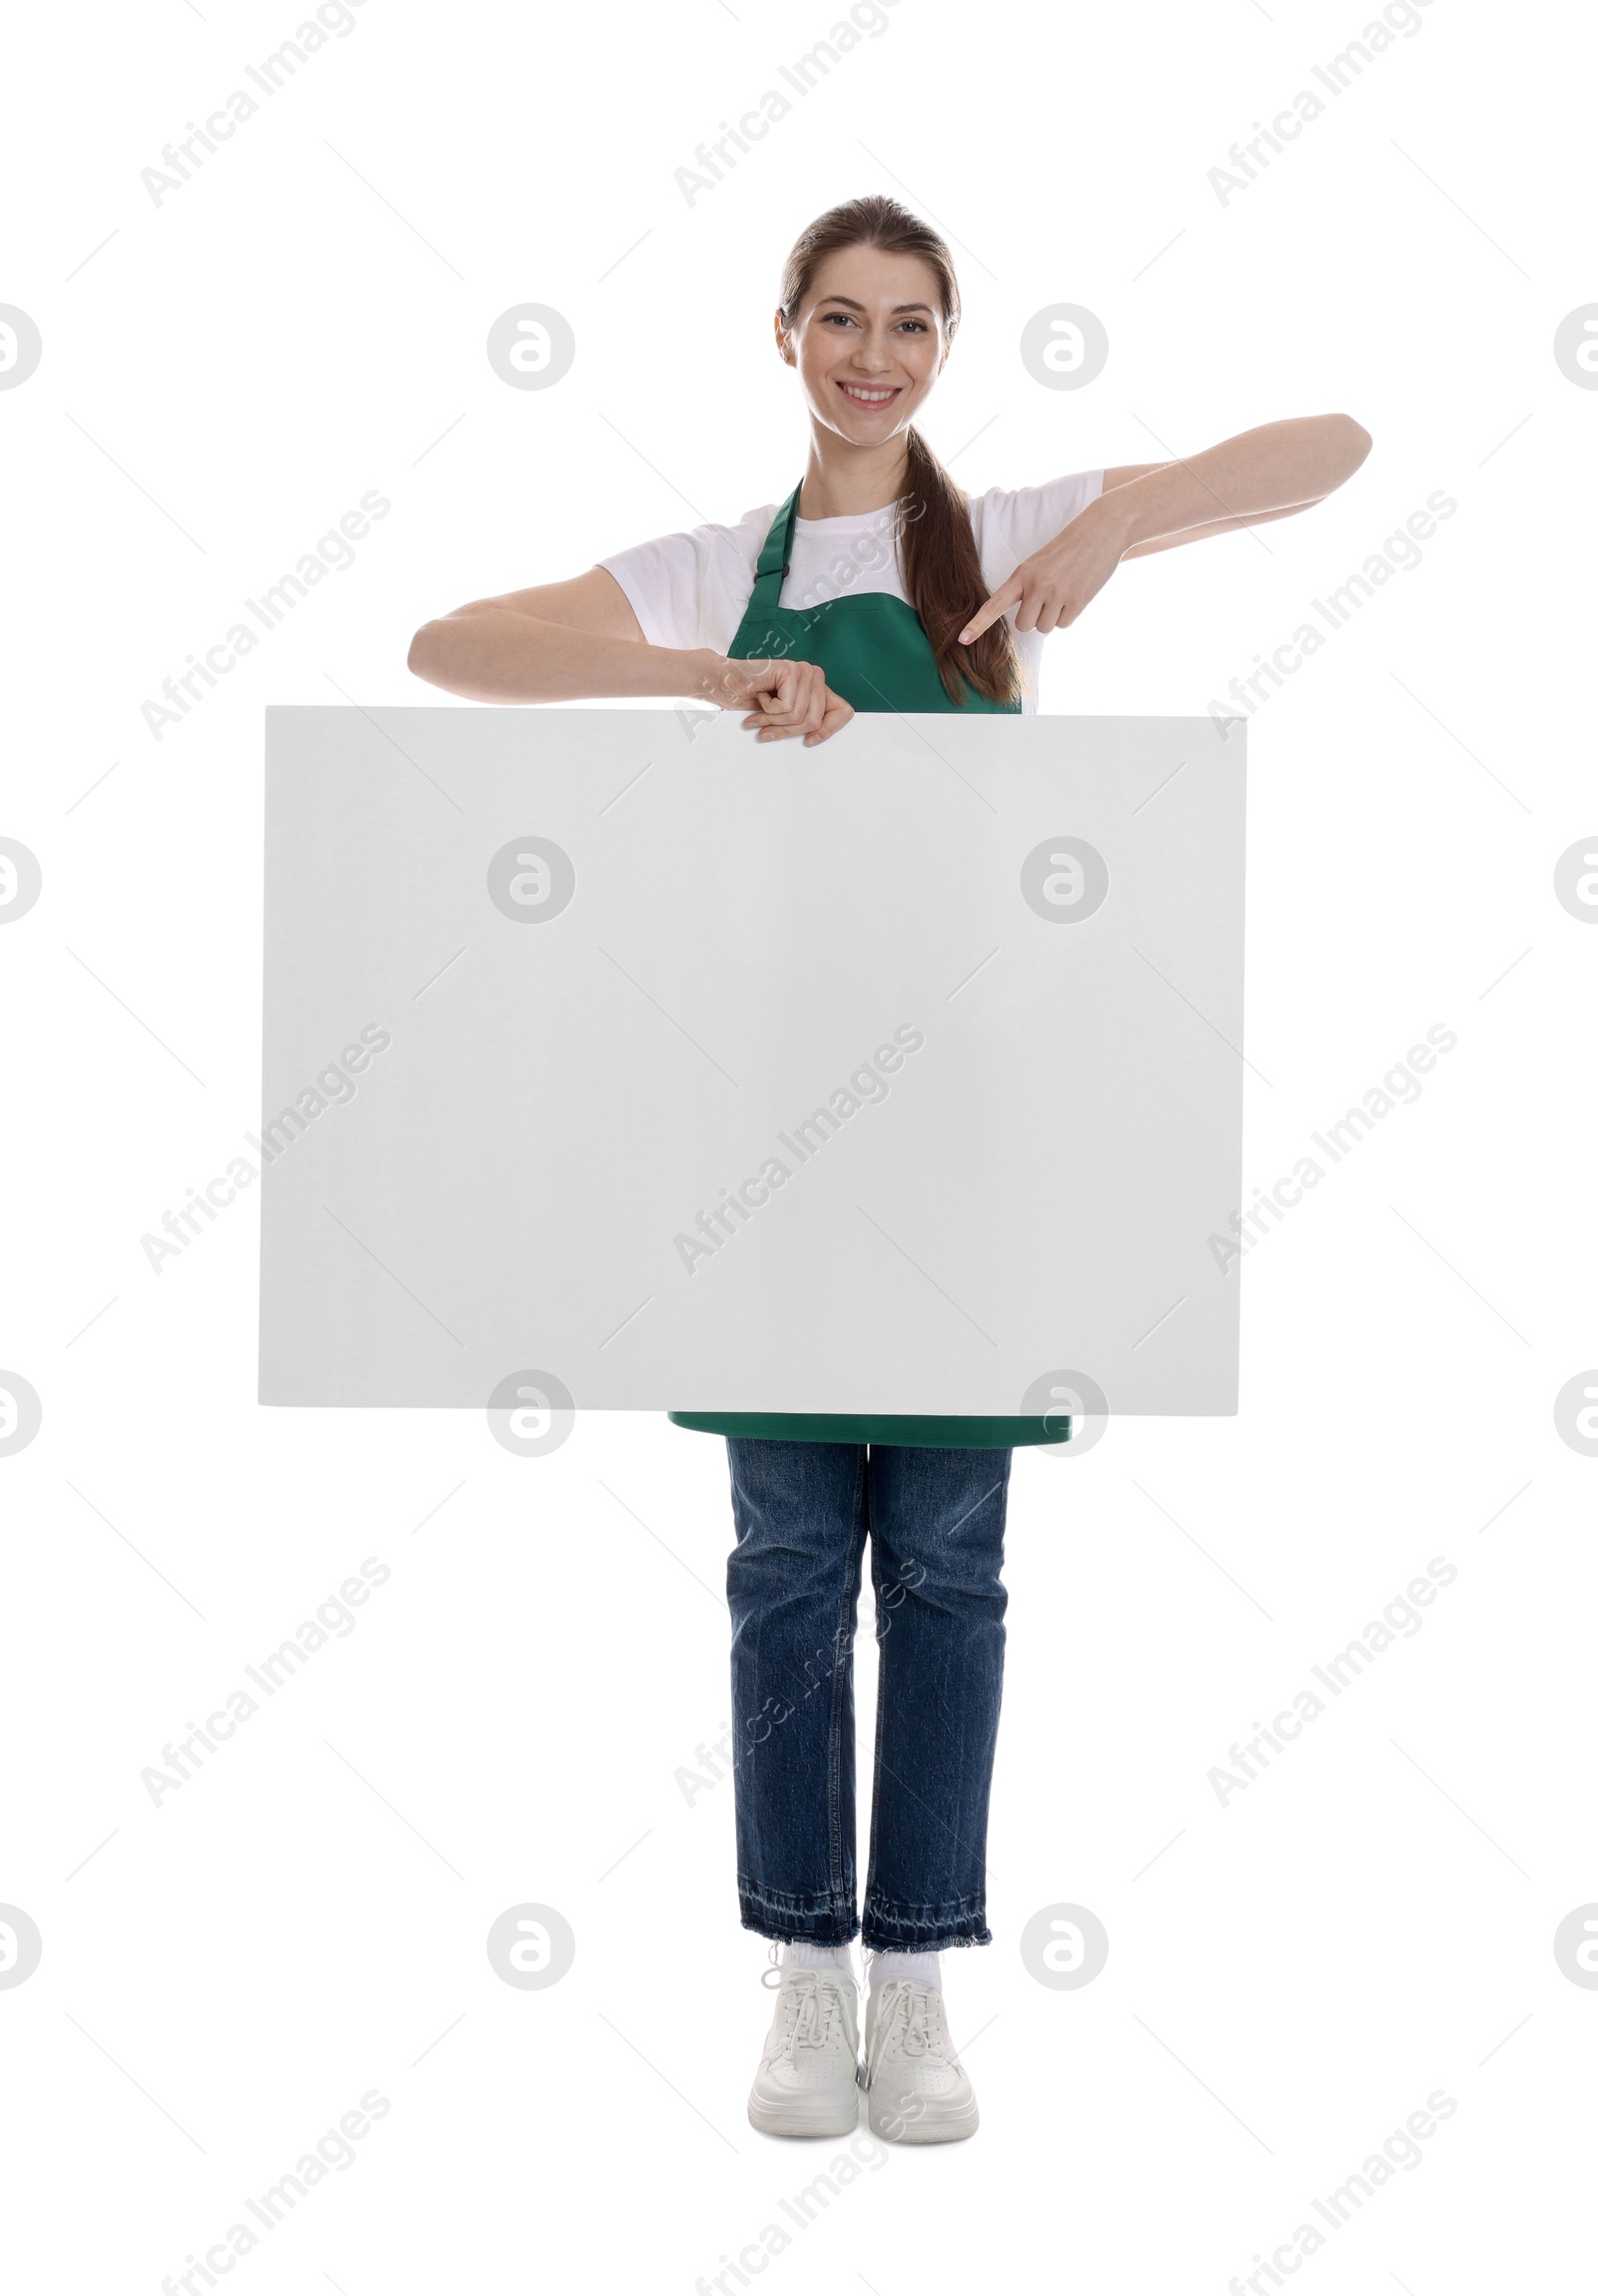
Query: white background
{"type": "Point", "coordinates": [1371, 1919]}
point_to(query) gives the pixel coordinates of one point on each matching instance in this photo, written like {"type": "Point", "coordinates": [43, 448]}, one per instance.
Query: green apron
{"type": "Point", "coordinates": [873, 651]}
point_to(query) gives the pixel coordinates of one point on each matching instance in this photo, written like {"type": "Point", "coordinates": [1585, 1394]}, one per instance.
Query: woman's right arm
{"type": "Point", "coordinates": [581, 641]}
{"type": "Point", "coordinates": [564, 641]}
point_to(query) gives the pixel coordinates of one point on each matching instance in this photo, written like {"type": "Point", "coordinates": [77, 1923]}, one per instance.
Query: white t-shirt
{"type": "Point", "coordinates": [691, 589]}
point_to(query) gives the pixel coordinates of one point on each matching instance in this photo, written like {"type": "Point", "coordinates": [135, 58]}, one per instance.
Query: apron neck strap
{"type": "Point", "coordinates": [772, 566]}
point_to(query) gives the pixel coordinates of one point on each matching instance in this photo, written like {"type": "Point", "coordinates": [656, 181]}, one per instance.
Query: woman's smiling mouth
{"type": "Point", "coordinates": [869, 393]}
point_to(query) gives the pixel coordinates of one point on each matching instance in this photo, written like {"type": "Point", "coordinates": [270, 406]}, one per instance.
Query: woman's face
{"type": "Point", "coordinates": [867, 343]}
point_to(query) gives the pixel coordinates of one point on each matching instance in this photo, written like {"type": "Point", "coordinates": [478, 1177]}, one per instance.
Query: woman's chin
{"type": "Point", "coordinates": [858, 428]}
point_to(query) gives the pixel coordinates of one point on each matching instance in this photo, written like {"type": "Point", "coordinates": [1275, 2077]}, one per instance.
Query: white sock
{"type": "Point", "coordinates": [800, 1953]}
{"type": "Point", "coordinates": [920, 1969]}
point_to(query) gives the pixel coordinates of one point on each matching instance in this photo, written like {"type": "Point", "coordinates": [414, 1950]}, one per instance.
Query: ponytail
{"type": "Point", "coordinates": [944, 581]}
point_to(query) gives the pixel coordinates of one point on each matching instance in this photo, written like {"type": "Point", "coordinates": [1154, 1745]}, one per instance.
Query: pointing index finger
{"type": "Point", "coordinates": [986, 614]}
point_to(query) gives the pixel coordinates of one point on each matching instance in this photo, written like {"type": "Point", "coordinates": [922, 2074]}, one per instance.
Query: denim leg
{"type": "Point", "coordinates": [937, 1548]}
{"type": "Point", "coordinates": [793, 1588]}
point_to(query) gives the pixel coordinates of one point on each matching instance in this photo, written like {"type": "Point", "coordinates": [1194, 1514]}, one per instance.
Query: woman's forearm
{"type": "Point", "coordinates": [1278, 468]}
{"type": "Point", "coordinates": [496, 654]}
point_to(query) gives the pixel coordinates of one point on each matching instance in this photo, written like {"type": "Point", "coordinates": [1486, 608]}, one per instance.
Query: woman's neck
{"type": "Point", "coordinates": [844, 481]}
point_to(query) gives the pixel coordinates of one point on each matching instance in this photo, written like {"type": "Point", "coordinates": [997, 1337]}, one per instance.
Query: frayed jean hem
{"type": "Point", "coordinates": [824, 1919]}
{"type": "Point", "coordinates": [924, 1928]}
{"type": "Point", "coordinates": [813, 1921]}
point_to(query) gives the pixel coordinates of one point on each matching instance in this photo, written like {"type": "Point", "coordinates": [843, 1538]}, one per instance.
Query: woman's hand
{"type": "Point", "coordinates": [1050, 590]}
{"type": "Point", "coordinates": [1273, 472]}
{"type": "Point", "coordinates": [783, 697]}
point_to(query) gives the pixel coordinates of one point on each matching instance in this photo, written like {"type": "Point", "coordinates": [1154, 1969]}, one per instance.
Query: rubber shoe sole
{"type": "Point", "coordinates": [920, 2120]}
{"type": "Point", "coordinates": [816, 2112]}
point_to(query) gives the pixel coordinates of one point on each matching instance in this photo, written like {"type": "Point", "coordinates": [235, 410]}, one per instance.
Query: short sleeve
{"type": "Point", "coordinates": [1009, 526]}
{"type": "Point", "coordinates": [690, 590]}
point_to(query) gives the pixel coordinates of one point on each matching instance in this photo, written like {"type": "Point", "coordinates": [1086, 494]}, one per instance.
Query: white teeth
{"type": "Point", "coordinates": [867, 398]}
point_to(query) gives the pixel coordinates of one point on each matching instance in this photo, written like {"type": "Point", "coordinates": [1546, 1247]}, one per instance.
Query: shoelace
{"type": "Point", "coordinates": [910, 2006]}
{"type": "Point", "coordinates": [817, 2000]}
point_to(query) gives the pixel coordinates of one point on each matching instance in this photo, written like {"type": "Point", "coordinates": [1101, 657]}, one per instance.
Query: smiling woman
{"type": "Point", "coordinates": [854, 380]}
{"type": "Point", "coordinates": [876, 586]}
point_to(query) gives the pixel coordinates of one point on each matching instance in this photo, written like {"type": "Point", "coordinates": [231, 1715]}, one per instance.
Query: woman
{"type": "Point", "coordinates": [876, 586]}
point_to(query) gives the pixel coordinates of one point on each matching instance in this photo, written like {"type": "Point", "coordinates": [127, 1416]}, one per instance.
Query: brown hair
{"type": "Point", "coordinates": [937, 549]}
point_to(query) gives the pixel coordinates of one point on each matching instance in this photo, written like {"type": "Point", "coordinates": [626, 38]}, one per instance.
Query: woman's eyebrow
{"type": "Point", "coordinates": [851, 303]}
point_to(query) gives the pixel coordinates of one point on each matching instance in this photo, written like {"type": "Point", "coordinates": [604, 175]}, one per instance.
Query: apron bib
{"type": "Point", "coordinates": [874, 651]}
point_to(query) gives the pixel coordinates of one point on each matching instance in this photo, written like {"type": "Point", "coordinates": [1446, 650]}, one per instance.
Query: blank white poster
{"type": "Point", "coordinates": [607, 1050]}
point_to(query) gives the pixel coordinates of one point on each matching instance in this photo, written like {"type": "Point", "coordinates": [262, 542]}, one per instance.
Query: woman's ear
{"type": "Point", "coordinates": [784, 339]}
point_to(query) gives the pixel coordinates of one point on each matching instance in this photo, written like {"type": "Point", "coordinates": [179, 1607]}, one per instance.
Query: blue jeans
{"type": "Point", "coordinates": [936, 1522]}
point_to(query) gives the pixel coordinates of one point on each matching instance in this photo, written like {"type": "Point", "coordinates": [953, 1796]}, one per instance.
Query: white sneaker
{"type": "Point", "coordinates": [917, 2090]}
{"type": "Point", "coordinates": [808, 2083]}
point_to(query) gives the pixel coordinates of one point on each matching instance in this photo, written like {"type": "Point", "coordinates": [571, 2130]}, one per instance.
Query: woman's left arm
{"type": "Point", "coordinates": [1271, 473]}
